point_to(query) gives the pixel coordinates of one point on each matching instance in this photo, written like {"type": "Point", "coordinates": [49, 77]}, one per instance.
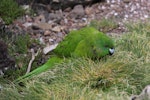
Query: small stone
{"type": "Point", "coordinates": [145, 16]}
{"type": "Point", "coordinates": [58, 40]}
{"type": "Point", "coordinates": [43, 26]}
{"type": "Point", "coordinates": [116, 14]}
{"type": "Point", "coordinates": [126, 1]}
{"type": "Point", "coordinates": [84, 19]}
{"type": "Point", "coordinates": [126, 16]}
{"type": "Point", "coordinates": [88, 10]}
{"type": "Point", "coordinates": [27, 24]}
{"type": "Point", "coordinates": [77, 12]}
{"type": "Point", "coordinates": [47, 32]}
{"type": "Point", "coordinates": [65, 20]}
{"type": "Point", "coordinates": [67, 9]}
{"type": "Point", "coordinates": [57, 28]}
{"type": "Point", "coordinates": [57, 1]}
{"type": "Point", "coordinates": [52, 16]}
{"type": "Point", "coordinates": [60, 34]}
{"type": "Point", "coordinates": [40, 19]}
{"type": "Point", "coordinates": [103, 7]}
{"type": "Point", "coordinates": [51, 40]}
{"type": "Point", "coordinates": [49, 48]}
{"type": "Point", "coordinates": [57, 15]}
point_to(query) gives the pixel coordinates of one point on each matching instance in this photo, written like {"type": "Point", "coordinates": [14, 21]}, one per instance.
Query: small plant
{"type": "Point", "coordinates": [18, 47]}
{"type": "Point", "coordinates": [9, 10]}
{"type": "Point", "coordinates": [21, 44]}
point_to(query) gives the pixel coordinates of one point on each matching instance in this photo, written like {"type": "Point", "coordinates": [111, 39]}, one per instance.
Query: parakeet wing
{"type": "Point", "coordinates": [69, 44]}
{"type": "Point", "coordinates": [87, 42]}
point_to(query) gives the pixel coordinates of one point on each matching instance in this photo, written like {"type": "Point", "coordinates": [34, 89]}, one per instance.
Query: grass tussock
{"type": "Point", "coordinates": [114, 77]}
{"type": "Point", "coordinates": [104, 25]}
{"type": "Point", "coordinates": [19, 46]}
{"type": "Point", "coordinates": [10, 10]}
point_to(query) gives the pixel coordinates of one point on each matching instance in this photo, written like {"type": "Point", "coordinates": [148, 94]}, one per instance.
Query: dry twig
{"type": "Point", "coordinates": [32, 59]}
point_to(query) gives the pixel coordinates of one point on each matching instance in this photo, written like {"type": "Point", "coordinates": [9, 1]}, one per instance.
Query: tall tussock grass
{"type": "Point", "coordinates": [114, 77]}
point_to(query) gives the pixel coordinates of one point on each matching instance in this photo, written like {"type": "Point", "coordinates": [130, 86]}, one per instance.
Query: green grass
{"type": "Point", "coordinates": [104, 25]}
{"type": "Point", "coordinates": [114, 77]}
{"type": "Point", "coordinates": [18, 47]}
{"type": "Point", "coordinates": [9, 10]}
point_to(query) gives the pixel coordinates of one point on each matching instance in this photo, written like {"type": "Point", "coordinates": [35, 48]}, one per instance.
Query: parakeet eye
{"type": "Point", "coordinates": [111, 51]}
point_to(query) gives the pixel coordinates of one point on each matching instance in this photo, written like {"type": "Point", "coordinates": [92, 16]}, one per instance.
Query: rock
{"type": "Point", "coordinates": [49, 48]}
{"type": "Point", "coordinates": [88, 10]}
{"type": "Point", "coordinates": [57, 28]}
{"type": "Point", "coordinates": [27, 24]}
{"type": "Point", "coordinates": [77, 12]}
{"type": "Point", "coordinates": [145, 94]}
{"type": "Point", "coordinates": [40, 19]}
{"type": "Point", "coordinates": [67, 9]}
{"type": "Point", "coordinates": [47, 32]}
{"type": "Point", "coordinates": [60, 34]}
{"type": "Point", "coordinates": [51, 40]}
{"type": "Point", "coordinates": [52, 16]}
{"type": "Point", "coordinates": [126, 1]}
{"type": "Point", "coordinates": [43, 26]}
{"type": "Point", "coordinates": [56, 1]}
{"type": "Point", "coordinates": [56, 16]}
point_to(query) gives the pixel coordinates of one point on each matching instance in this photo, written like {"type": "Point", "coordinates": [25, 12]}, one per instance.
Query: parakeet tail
{"type": "Point", "coordinates": [48, 65]}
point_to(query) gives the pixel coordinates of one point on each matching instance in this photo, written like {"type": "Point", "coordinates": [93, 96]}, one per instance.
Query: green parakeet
{"type": "Point", "coordinates": [86, 42]}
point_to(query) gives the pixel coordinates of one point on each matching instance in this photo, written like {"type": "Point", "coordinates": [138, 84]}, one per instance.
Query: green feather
{"type": "Point", "coordinates": [86, 42]}
{"type": "Point", "coordinates": [49, 64]}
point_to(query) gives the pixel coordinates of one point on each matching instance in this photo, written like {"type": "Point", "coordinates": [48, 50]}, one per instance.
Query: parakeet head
{"type": "Point", "coordinates": [95, 46]}
{"type": "Point", "coordinates": [111, 51]}
{"type": "Point", "coordinates": [103, 44]}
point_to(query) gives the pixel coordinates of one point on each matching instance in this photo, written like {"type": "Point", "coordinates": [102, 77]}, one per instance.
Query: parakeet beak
{"type": "Point", "coordinates": [111, 51]}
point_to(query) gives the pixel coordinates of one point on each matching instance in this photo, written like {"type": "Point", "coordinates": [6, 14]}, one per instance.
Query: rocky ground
{"type": "Point", "coordinates": [51, 26]}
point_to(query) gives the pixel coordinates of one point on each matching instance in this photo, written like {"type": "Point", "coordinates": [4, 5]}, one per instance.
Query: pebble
{"type": "Point", "coordinates": [77, 12]}
{"type": "Point", "coordinates": [47, 32]}
{"type": "Point", "coordinates": [40, 19]}
{"type": "Point", "coordinates": [43, 26]}
{"type": "Point", "coordinates": [57, 28]}
{"type": "Point", "coordinates": [27, 24]}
